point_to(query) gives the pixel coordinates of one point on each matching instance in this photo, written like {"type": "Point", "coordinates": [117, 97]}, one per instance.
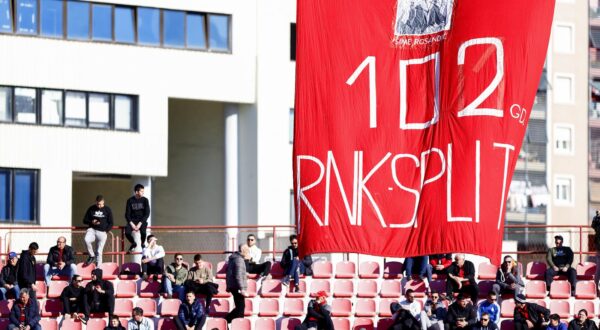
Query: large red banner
{"type": "Point", "coordinates": [409, 119]}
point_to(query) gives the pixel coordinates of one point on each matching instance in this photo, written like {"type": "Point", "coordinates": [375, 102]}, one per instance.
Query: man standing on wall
{"type": "Point", "coordinates": [137, 212]}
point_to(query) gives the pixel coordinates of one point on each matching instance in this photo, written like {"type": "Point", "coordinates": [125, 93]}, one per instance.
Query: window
{"type": "Point", "coordinates": [124, 25]}
{"type": "Point", "coordinates": [25, 105]}
{"type": "Point", "coordinates": [102, 22]}
{"type": "Point", "coordinates": [291, 128]}
{"type": "Point", "coordinates": [563, 137]}
{"type": "Point", "coordinates": [124, 119]}
{"type": "Point", "coordinates": [99, 107]}
{"type": "Point", "coordinates": [563, 38]}
{"type": "Point", "coordinates": [5, 16]}
{"type": "Point", "coordinates": [26, 16]}
{"type": "Point", "coordinates": [5, 104]}
{"type": "Point", "coordinates": [563, 194]}
{"type": "Point", "coordinates": [78, 20]}
{"type": "Point", "coordinates": [218, 32]}
{"type": "Point", "coordinates": [148, 26]}
{"type": "Point", "coordinates": [75, 109]}
{"type": "Point", "coordinates": [18, 195]}
{"type": "Point", "coordinates": [292, 209]}
{"type": "Point", "coordinates": [52, 107]}
{"type": "Point", "coordinates": [563, 89]}
{"type": "Point", "coordinates": [51, 18]}
{"type": "Point", "coordinates": [293, 41]}
{"type": "Point", "coordinates": [174, 28]}
{"type": "Point", "coordinates": [196, 33]}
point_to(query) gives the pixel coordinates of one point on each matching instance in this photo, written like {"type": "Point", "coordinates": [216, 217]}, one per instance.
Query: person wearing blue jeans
{"type": "Point", "coordinates": [424, 268]}
{"type": "Point", "coordinates": [176, 273]}
{"type": "Point", "coordinates": [292, 264]}
{"type": "Point", "coordinates": [8, 277]}
{"type": "Point", "coordinates": [60, 261]}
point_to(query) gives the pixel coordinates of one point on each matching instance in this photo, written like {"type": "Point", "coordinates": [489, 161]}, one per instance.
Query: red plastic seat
{"type": "Point", "coordinates": [366, 289]}
{"type": "Point", "coordinates": [126, 289]}
{"type": "Point", "coordinates": [293, 307]}
{"type": "Point", "coordinates": [341, 308]}
{"type": "Point", "coordinates": [290, 290]}
{"type": "Point", "coordinates": [507, 308]}
{"type": "Point", "coordinates": [51, 324]}
{"type": "Point", "coordinates": [86, 271]}
{"type": "Point", "coordinates": [249, 307]}
{"type": "Point", "coordinates": [392, 269]}
{"type": "Point", "coordinates": [241, 324]}
{"type": "Point", "coordinates": [319, 285]}
{"type": "Point", "coordinates": [345, 269]}
{"type": "Point", "coordinates": [365, 308]}
{"type": "Point", "coordinates": [5, 307]}
{"type": "Point", "coordinates": [129, 271]}
{"type": "Point", "coordinates": [222, 289]}
{"type": "Point", "coordinates": [166, 324]}
{"type": "Point", "coordinates": [585, 290]}
{"type": "Point", "coordinates": [268, 308]}
{"type": "Point", "coordinates": [56, 288]}
{"type": "Point", "coordinates": [70, 324]}
{"type": "Point", "coordinates": [343, 288]}
{"type": "Point", "coordinates": [219, 324]}
{"type": "Point", "coordinates": [110, 270]}
{"type": "Point", "coordinates": [588, 305]}
{"type": "Point", "coordinates": [39, 272]}
{"type": "Point", "coordinates": [560, 307]}
{"type": "Point", "coordinates": [384, 323]}
{"type": "Point", "coordinates": [289, 323]}
{"type": "Point", "coordinates": [40, 292]}
{"type": "Point", "coordinates": [487, 271]}
{"type": "Point", "coordinates": [148, 305]}
{"type": "Point", "coordinates": [507, 325]}
{"type": "Point", "coordinates": [322, 269]}
{"type": "Point", "coordinates": [219, 308]}
{"type": "Point", "coordinates": [438, 285]}
{"type": "Point", "coordinates": [93, 324]}
{"type": "Point", "coordinates": [560, 290]}
{"type": "Point", "coordinates": [169, 307]}
{"type": "Point", "coordinates": [369, 269]}
{"type": "Point", "coordinates": [251, 289]}
{"type": "Point", "coordinates": [535, 289]}
{"type": "Point", "coordinates": [484, 288]}
{"type": "Point", "coordinates": [391, 289]}
{"type": "Point", "coordinates": [276, 270]}
{"type": "Point", "coordinates": [149, 289]}
{"type": "Point", "coordinates": [418, 286]}
{"type": "Point", "coordinates": [123, 307]}
{"type": "Point", "coordinates": [51, 308]}
{"type": "Point", "coordinates": [341, 324]}
{"type": "Point", "coordinates": [586, 271]}
{"type": "Point", "coordinates": [536, 270]}
{"type": "Point", "coordinates": [363, 324]}
{"type": "Point", "coordinates": [264, 324]}
{"type": "Point", "coordinates": [384, 307]}
{"type": "Point", "coordinates": [4, 323]}
{"type": "Point", "coordinates": [221, 269]}
{"type": "Point", "coordinates": [271, 289]}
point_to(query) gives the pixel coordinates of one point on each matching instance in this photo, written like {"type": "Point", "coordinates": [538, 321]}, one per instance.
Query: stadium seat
{"type": "Point", "coordinates": [149, 289]}
{"type": "Point", "coordinates": [169, 307]}
{"type": "Point", "coordinates": [536, 270]}
{"type": "Point", "coordinates": [268, 308]}
{"type": "Point", "coordinates": [110, 270]}
{"type": "Point", "coordinates": [540, 302]}
{"type": "Point", "coordinates": [166, 324]}
{"type": "Point", "coordinates": [392, 270]}
{"type": "Point", "coordinates": [367, 289]}
{"type": "Point", "coordinates": [93, 324]}
{"type": "Point", "coordinates": [384, 307]}
{"type": "Point", "coordinates": [343, 288]}
{"type": "Point", "coordinates": [487, 271]}
{"type": "Point", "coordinates": [586, 271]}
{"type": "Point", "coordinates": [126, 289]}
{"type": "Point", "coordinates": [123, 307]}
{"type": "Point", "coordinates": [221, 269]}
{"type": "Point", "coordinates": [365, 308]}
{"type": "Point", "coordinates": [5, 307]}
{"type": "Point", "coordinates": [251, 288]}
{"type": "Point", "coordinates": [369, 269]}
{"type": "Point", "coordinates": [85, 271]}
{"type": "Point", "coordinates": [341, 324]}
{"type": "Point", "coordinates": [271, 289]}
{"type": "Point", "coordinates": [319, 285]}
{"type": "Point", "coordinates": [341, 308]}
{"type": "Point", "coordinates": [560, 290]}
{"type": "Point", "coordinates": [585, 290]}
{"type": "Point", "coordinates": [249, 307]}
{"type": "Point", "coordinates": [40, 293]}
{"type": "Point", "coordinates": [560, 307]}
{"type": "Point", "coordinates": [219, 308]}
{"type": "Point", "coordinates": [507, 308]}
{"type": "Point", "coordinates": [264, 324]}
{"type": "Point", "coordinates": [507, 325]}
{"type": "Point", "coordinates": [290, 290]}
{"type": "Point", "coordinates": [130, 271]}
{"type": "Point", "coordinates": [438, 285]}
{"type": "Point", "coordinates": [241, 324]}
{"type": "Point", "coordinates": [384, 323]}
{"type": "Point", "coordinates": [70, 324]}
{"type": "Point", "coordinates": [588, 305]}
{"type": "Point", "coordinates": [391, 289]}
{"type": "Point", "coordinates": [148, 305]}
{"type": "Point", "coordinates": [289, 323]}
{"type": "Point", "coordinates": [39, 271]}
{"type": "Point", "coordinates": [222, 290]}
{"type": "Point", "coordinates": [535, 289]}
{"type": "Point", "coordinates": [276, 270]}
{"type": "Point", "coordinates": [322, 269]}
{"type": "Point", "coordinates": [293, 307]}
{"type": "Point", "coordinates": [51, 324]}
{"type": "Point", "coordinates": [363, 324]}
{"type": "Point", "coordinates": [4, 323]}
{"type": "Point", "coordinates": [56, 288]}
{"type": "Point", "coordinates": [484, 288]}
{"type": "Point", "coordinates": [213, 323]}
{"type": "Point", "coordinates": [418, 286]}
{"type": "Point", "coordinates": [51, 308]}
{"type": "Point", "coordinates": [345, 269]}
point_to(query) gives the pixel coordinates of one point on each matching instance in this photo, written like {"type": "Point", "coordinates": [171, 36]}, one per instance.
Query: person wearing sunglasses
{"type": "Point", "coordinates": [253, 265]}
{"type": "Point", "coordinates": [490, 307]}
{"type": "Point", "coordinates": [292, 265]}
{"type": "Point", "coordinates": [73, 300]}
{"type": "Point", "coordinates": [434, 312]}
{"type": "Point", "coordinates": [508, 278]}
{"type": "Point", "coordinates": [485, 323]}
{"type": "Point", "coordinates": [175, 276]}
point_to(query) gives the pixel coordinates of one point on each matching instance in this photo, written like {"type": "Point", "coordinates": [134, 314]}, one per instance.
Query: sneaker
{"type": "Point", "coordinates": [268, 277]}
{"type": "Point", "coordinates": [155, 277]}
{"type": "Point", "coordinates": [90, 260]}
{"type": "Point", "coordinates": [297, 288]}
{"type": "Point", "coordinates": [145, 276]}
{"type": "Point", "coordinates": [132, 248]}
{"type": "Point", "coordinates": [286, 281]}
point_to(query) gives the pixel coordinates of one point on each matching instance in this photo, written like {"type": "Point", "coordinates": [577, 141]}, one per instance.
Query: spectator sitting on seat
{"type": "Point", "coordinates": [8, 277]}
{"type": "Point", "coordinates": [137, 211]}
{"type": "Point", "coordinates": [529, 315]}
{"type": "Point", "coordinates": [138, 321]}
{"type": "Point", "coordinates": [73, 299]}
{"type": "Point", "coordinates": [318, 314]}
{"type": "Point", "coordinates": [253, 265]}
{"type": "Point", "coordinates": [191, 315]}
{"type": "Point", "coordinates": [99, 295]}
{"type": "Point", "coordinates": [406, 314]}
{"type": "Point", "coordinates": [291, 264]}
{"type": "Point", "coordinates": [25, 313]}
{"type": "Point", "coordinates": [114, 324]}
{"type": "Point", "coordinates": [440, 263]}
{"type": "Point", "coordinates": [99, 219]}
{"type": "Point", "coordinates": [410, 304]}
{"type": "Point", "coordinates": [489, 306]}
{"type": "Point", "coordinates": [560, 259]}
{"type": "Point", "coordinates": [485, 323]}
{"type": "Point", "coordinates": [434, 313]}
{"type": "Point", "coordinates": [461, 278]}
{"type": "Point", "coordinates": [555, 323]}
{"type": "Point", "coordinates": [175, 276]}
{"type": "Point", "coordinates": [508, 278]}
{"type": "Point", "coordinates": [236, 280]}
{"type": "Point", "coordinates": [60, 261]}
{"type": "Point", "coordinates": [582, 322]}
{"type": "Point", "coordinates": [461, 314]}
{"type": "Point", "coordinates": [200, 280]}
{"type": "Point", "coordinates": [26, 268]}
{"type": "Point", "coordinates": [153, 262]}
{"type": "Point", "coordinates": [420, 266]}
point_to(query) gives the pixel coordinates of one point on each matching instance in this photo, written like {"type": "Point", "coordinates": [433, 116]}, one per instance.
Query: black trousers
{"type": "Point", "coordinates": [76, 306]}
{"type": "Point", "coordinates": [129, 232]}
{"type": "Point", "coordinates": [203, 289]}
{"type": "Point", "coordinates": [181, 326]}
{"type": "Point", "coordinates": [471, 289]}
{"type": "Point", "coordinates": [523, 326]}
{"type": "Point", "coordinates": [262, 269]}
{"type": "Point", "coordinates": [158, 268]}
{"type": "Point", "coordinates": [105, 305]}
{"type": "Point", "coordinates": [239, 307]}
{"type": "Point", "coordinates": [571, 274]}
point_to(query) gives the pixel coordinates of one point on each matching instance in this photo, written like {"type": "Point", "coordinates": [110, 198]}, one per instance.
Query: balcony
{"type": "Point", "coordinates": [539, 106]}
{"type": "Point", "coordinates": [531, 216]}
{"type": "Point", "coordinates": [594, 114]}
{"type": "Point", "coordinates": [532, 157]}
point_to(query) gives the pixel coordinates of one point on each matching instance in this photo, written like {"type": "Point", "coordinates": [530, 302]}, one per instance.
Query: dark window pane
{"type": "Point", "coordinates": [51, 18]}
{"type": "Point", "coordinates": [174, 28]}
{"type": "Point", "coordinates": [5, 16]}
{"type": "Point", "coordinates": [24, 198]}
{"type": "Point", "coordinates": [101, 22]}
{"type": "Point", "coordinates": [148, 26]}
{"type": "Point", "coordinates": [99, 111]}
{"type": "Point", "coordinates": [123, 112]}
{"type": "Point", "coordinates": [75, 109]}
{"type": "Point", "coordinates": [27, 16]}
{"type": "Point", "coordinates": [218, 32]}
{"type": "Point", "coordinates": [78, 20]}
{"type": "Point", "coordinates": [25, 105]}
{"type": "Point", "coordinates": [293, 42]}
{"type": "Point", "coordinates": [52, 107]}
{"type": "Point", "coordinates": [5, 104]}
{"type": "Point", "coordinates": [4, 195]}
{"type": "Point", "coordinates": [124, 25]}
{"type": "Point", "coordinates": [196, 32]}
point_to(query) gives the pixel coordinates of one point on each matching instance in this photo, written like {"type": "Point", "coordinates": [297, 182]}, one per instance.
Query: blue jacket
{"type": "Point", "coordinates": [561, 326]}
{"type": "Point", "coordinates": [491, 308]}
{"type": "Point", "coordinates": [191, 315]}
{"type": "Point", "coordinates": [32, 313]}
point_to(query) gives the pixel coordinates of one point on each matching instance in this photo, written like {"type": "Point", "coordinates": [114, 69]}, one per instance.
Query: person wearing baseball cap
{"type": "Point", "coordinates": [8, 277]}
{"type": "Point", "coordinates": [318, 314]}
{"type": "Point", "coordinates": [560, 259]}
{"type": "Point", "coordinates": [529, 315]}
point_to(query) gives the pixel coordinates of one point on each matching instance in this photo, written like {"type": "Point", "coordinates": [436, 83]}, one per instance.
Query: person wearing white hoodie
{"type": "Point", "coordinates": [152, 258]}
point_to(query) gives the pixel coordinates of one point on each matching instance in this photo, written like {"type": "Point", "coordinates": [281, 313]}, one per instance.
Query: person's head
{"type": "Point", "coordinates": [178, 259]}
{"type": "Point", "coordinates": [294, 241]}
{"type": "Point", "coordinates": [61, 242]}
{"type": "Point", "coordinates": [114, 321]}
{"type": "Point", "coordinates": [100, 201]}
{"type": "Point", "coordinates": [558, 240]}
{"type": "Point", "coordinates": [597, 212]}
{"type": "Point", "coordinates": [460, 259]}
{"type": "Point", "coordinates": [151, 240]}
{"type": "Point", "coordinates": [434, 296]}
{"type": "Point", "coordinates": [24, 296]}
{"type": "Point", "coordinates": [582, 315]}
{"type": "Point", "coordinates": [321, 297]}
{"type": "Point", "coordinates": [137, 314]}
{"type": "Point", "coordinates": [138, 190]}
{"type": "Point", "coordinates": [244, 250]}
{"type": "Point", "coordinates": [520, 300]}
{"type": "Point", "coordinates": [97, 274]}
{"type": "Point", "coordinates": [198, 260]}
{"type": "Point", "coordinates": [492, 297]}
{"type": "Point", "coordinates": [13, 258]}
{"type": "Point", "coordinates": [410, 295]}
{"type": "Point", "coordinates": [462, 300]}
{"type": "Point", "coordinates": [76, 281]}
{"type": "Point", "coordinates": [33, 248]}
{"type": "Point", "coordinates": [554, 320]}
{"type": "Point", "coordinates": [485, 318]}
{"type": "Point", "coordinates": [251, 240]}
{"type": "Point", "coordinates": [190, 296]}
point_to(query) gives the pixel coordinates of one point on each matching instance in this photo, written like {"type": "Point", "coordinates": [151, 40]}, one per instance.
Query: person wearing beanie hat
{"type": "Point", "coordinates": [529, 315]}
{"type": "Point", "coordinates": [318, 314]}
{"type": "Point", "coordinates": [99, 295]}
{"type": "Point", "coordinates": [8, 277]}
{"type": "Point", "coordinates": [560, 259]}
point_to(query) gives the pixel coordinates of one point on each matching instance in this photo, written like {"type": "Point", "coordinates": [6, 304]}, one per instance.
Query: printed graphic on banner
{"type": "Point", "coordinates": [421, 17]}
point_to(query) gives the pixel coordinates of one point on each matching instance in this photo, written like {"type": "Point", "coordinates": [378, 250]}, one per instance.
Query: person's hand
{"type": "Point", "coordinates": [171, 277]}
{"type": "Point", "coordinates": [555, 268]}
{"type": "Point", "coordinates": [60, 265]}
{"type": "Point", "coordinates": [529, 324]}
{"type": "Point", "coordinates": [201, 280]}
{"type": "Point", "coordinates": [244, 293]}
{"type": "Point", "coordinates": [8, 286]}
{"type": "Point", "coordinates": [460, 285]}
{"type": "Point", "coordinates": [461, 324]}
{"type": "Point", "coordinates": [27, 327]}
{"type": "Point", "coordinates": [565, 269]}
{"type": "Point", "coordinates": [95, 222]}
{"type": "Point", "coordinates": [68, 316]}
{"type": "Point", "coordinates": [439, 267]}
{"type": "Point", "coordinates": [145, 261]}
{"type": "Point", "coordinates": [429, 312]}
{"type": "Point", "coordinates": [72, 299]}
{"type": "Point", "coordinates": [296, 258]}
{"type": "Point", "coordinates": [33, 287]}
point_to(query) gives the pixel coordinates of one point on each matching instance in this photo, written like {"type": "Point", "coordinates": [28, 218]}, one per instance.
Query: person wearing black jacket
{"type": "Point", "coordinates": [529, 315]}
{"type": "Point", "coordinates": [291, 263]}
{"type": "Point", "coordinates": [25, 313]}
{"type": "Point", "coordinates": [60, 261]}
{"type": "Point", "coordinates": [73, 299]}
{"type": "Point", "coordinates": [8, 277]}
{"type": "Point", "coordinates": [191, 313]}
{"type": "Point", "coordinates": [100, 221]}
{"type": "Point", "coordinates": [137, 211]}
{"type": "Point", "coordinates": [114, 324]}
{"type": "Point", "coordinates": [99, 295]}
{"type": "Point", "coordinates": [461, 314]}
{"type": "Point", "coordinates": [318, 314]}
{"type": "Point", "coordinates": [461, 278]}
{"type": "Point", "coordinates": [582, 322]}
{"type": "Point", "coordinates": [26, 267]}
